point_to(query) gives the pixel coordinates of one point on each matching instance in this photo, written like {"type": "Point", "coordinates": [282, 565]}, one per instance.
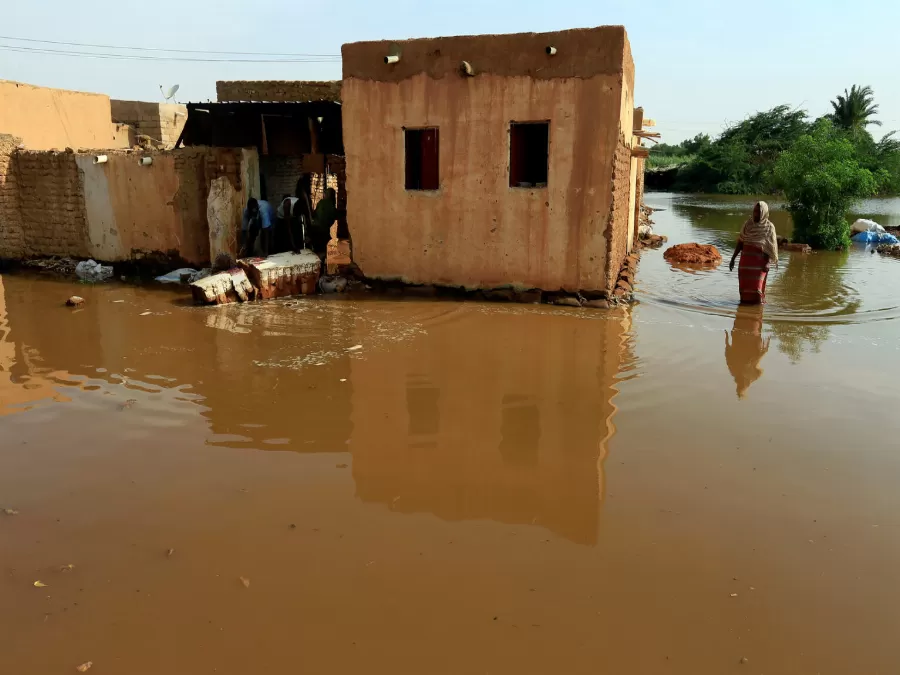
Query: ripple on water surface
{"type": "Point", "coordinates": [849, 287]}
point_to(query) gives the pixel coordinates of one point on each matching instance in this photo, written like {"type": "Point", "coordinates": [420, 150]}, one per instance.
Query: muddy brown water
{"type": "Point", "coordinates": [438, 487]}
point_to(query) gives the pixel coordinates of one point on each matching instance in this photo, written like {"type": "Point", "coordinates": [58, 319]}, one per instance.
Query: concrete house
{"type": "Point", "coordinates": [492, 161]}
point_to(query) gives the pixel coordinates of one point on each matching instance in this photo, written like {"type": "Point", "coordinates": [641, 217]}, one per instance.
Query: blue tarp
{"type": "Point", "coordinates": [875, 238]}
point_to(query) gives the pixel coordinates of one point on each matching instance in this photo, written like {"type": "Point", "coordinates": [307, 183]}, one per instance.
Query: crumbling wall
{"type": "Point", "coordinates": [638, 195]}
{"type": "Point", "coordinates": [159, 123]}
{"type": "Point", "coordinates": [277, 90]}
{"type": "Point", "coordinates": [12, 239]}
{"type": "Point", "coordinates": [119, 209]}
{"type": "Point", "coordinates": [51, 201]}
{"type": "Point", "coordinates": [619, 212]}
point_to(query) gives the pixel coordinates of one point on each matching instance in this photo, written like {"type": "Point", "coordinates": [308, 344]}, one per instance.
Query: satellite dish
{"type": "Point", "coordinates": [169, 93]}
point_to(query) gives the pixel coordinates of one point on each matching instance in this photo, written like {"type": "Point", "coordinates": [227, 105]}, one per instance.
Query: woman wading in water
{"type": "Point", "coordinates": [758, 246]}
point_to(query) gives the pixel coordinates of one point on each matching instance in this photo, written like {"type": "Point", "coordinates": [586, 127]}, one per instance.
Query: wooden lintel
{"type": "Point", "coordinates": [640, 151]}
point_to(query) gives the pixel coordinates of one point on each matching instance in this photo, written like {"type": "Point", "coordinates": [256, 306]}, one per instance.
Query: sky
{"type": "Point", "coordinates": [699, 65]}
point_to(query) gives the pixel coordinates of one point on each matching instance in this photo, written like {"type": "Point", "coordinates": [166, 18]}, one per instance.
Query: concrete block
{"type": "Point", "coordinates": [223, 288]}
{"type": "Point", "coordinates": [283, 274]}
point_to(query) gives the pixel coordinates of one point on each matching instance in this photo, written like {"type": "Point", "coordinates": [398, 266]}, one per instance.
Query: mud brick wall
{"type": "Point", "coordinates": [277, 90]}
{"type": "Point", "coordinates": [51, 201]}
{"type": "Point", "coordinates": [619, 212]}
{"type": "Point", "coordinates": [62, 203]}
{"type": "Point", "coordinates": [160, 122]}
{"type": "Point", "coordinates": [12, 239]}
{"type": "Point", "coordinates": [638, 195]}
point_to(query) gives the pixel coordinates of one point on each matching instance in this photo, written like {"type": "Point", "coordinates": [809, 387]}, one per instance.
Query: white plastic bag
{"type": "Point", "coordinates": [174, 277]}
{"type": "Point", "coordinates": [866, 225]}
{"type": "Point", "coordinates": [89, 270]}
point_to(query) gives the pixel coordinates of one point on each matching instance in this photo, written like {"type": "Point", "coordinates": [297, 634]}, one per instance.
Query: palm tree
{"type": "Point", "coordinates": [855, 109]}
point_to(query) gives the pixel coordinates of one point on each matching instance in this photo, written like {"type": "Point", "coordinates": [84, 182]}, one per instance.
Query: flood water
{"type": "Point", "coordinates": [411, 486]}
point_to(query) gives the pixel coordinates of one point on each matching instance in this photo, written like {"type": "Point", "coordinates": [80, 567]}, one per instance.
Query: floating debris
{"type": "Point", "coordinates": [40, 584]}
{"type": "Point", "coordinates": [245, 581]}
{"type": "Point", "coordinates": [84, 667]}
{"type": "Point", "coordinates": [170, 552]}
{"type": "Point", "coordinates": [10, 512]}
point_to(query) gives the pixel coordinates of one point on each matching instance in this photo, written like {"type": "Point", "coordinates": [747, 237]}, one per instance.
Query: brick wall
{"type": "Point", "coordinates": [282, 171]}
{"type": "Point", "coordinates": [51, 202]}
{"type": "Point", "coordinates": [11, 236]}
{"type": "Point", "coordinates": [277, 90]}
{"type": "Point", "coordinates": [61, 203]}
{"type": "Point", "coordinates": [638, 195]}
{"type": "Point", "coordinates": [619, 212]}
{"type": "Point", "coordinates": [160, 122]}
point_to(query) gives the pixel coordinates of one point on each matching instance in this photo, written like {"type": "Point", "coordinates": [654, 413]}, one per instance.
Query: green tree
{"type": "Point", "coordinates": [855, 109]}
{"type": "Point", "coordinates": [821, 177]}
{"type": "Point", "coordinates": [740, 160]}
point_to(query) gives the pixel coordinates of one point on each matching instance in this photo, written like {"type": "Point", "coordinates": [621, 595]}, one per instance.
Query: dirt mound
{"type": "Point", "coordinates": [693, 254]}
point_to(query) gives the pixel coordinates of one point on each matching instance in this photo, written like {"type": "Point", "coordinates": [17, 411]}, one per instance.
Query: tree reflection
{"type": "Point", "coordinates": [812, 287]}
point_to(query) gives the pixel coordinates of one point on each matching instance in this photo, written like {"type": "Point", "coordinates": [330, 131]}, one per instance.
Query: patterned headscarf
{"type": "Point", "coordinates": [762, 233]}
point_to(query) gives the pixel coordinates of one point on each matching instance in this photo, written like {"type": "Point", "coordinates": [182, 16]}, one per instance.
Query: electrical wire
{"type": "Point", "coordinates": [142, 57]}
{"type": "Point", "coordinates": [160, 49]}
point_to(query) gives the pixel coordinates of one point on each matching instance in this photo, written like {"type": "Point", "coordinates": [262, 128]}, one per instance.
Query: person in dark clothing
{"type": "Point", "coordinates": [257, 220]}
{"type": "Point", "coordinates": [322, 220]}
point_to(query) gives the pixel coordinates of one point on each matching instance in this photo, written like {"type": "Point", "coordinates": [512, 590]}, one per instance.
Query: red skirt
{"type": "Point", "coordinates": [752, 275]}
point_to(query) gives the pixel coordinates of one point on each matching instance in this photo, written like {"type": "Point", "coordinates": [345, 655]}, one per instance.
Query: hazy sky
{"type": "Point", "coordinates": [699, 63]}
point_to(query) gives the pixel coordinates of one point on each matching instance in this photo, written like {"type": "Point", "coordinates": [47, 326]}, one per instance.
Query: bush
{"type": "Point", "coordinates": [821, 178]}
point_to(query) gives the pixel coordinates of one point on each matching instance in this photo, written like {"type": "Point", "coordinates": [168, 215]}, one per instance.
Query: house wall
{"type": "Point", "coordinates": [161, 122]}
{"type": "Point", "coordinates": [12, 238]}
{"type": "Point", "coordinates": [47, 119]}
{"type": "Point", "coordinates": [475, 230]}
{"type": "Point", "coordinates": [118, 210]}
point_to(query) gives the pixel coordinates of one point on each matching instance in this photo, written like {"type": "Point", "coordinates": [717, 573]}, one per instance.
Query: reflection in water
{"type": "Point", "coordinates": [746, 347]}
{"type": "Point", "coordinates": [513, 428]}
{"type": "Point", "coordinates": [463, 411]}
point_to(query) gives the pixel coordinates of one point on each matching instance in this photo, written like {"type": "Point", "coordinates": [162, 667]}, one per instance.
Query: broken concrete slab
{"type": "Point", "coordinates": [222, 288]}
{"type": "Point", "coordinates": [283, 274]}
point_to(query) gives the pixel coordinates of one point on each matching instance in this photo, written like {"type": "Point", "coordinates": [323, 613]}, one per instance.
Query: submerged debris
{"type": "Point", "coordinates": [892, 250]}
{"type": "Point", "coordinates": [64, 266]}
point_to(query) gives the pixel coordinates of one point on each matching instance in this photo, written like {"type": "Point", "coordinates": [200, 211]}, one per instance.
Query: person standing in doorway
{"type": "Point", "coordinates": [257, 221]}
{"type": "Point", "coordinates": [322, 220]}
{"type": "Point", "coordinates": [758, 247]}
